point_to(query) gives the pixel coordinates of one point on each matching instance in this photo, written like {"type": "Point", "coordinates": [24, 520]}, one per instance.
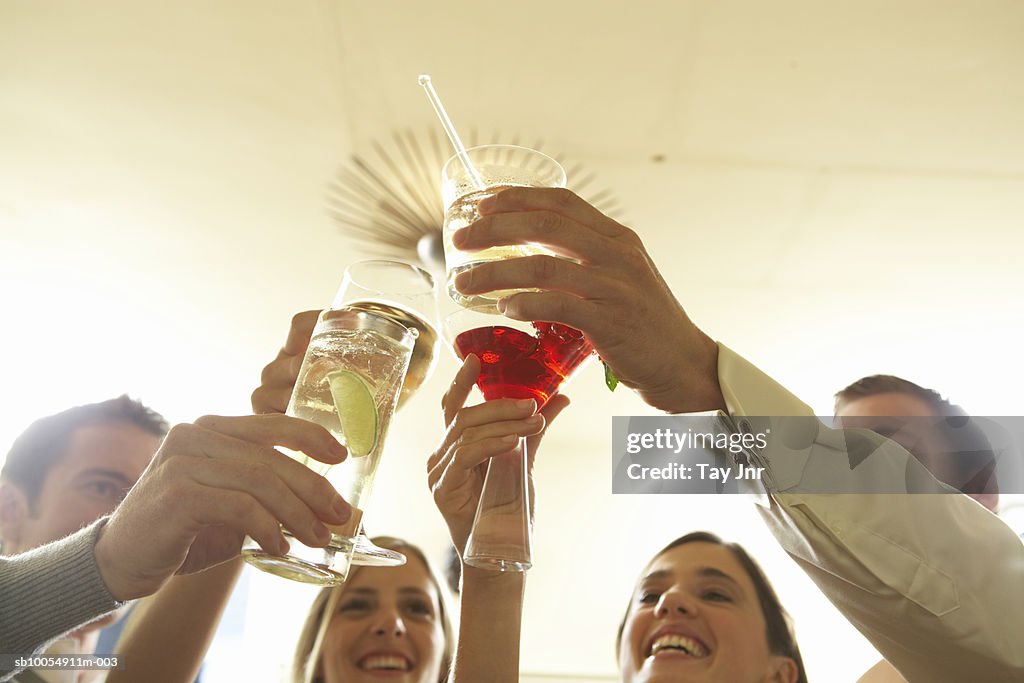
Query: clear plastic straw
{"type": "Point", "coordinates": [449, 128]}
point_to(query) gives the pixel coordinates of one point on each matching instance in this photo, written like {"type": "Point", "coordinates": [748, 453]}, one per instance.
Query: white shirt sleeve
{"type": "Point", "coordinates": [934, 581]}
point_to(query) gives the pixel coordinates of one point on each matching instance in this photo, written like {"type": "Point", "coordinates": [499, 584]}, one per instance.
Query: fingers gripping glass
{"type": "Point", "coordinates": [517, 360]}
{"type": "Point", "coordinates": [349, 383]}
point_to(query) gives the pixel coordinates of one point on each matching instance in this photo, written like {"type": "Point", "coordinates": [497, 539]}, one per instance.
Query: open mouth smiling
{"type": "Point", "coordinates": [385, 661]}
{"type": "Point", "coordinates": [677, 642]}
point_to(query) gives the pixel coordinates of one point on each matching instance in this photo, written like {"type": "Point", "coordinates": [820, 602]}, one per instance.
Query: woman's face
{"type": "Point", "coordinates": [386, 627]}
{"type": "Point", "coordinates": [695, 616]}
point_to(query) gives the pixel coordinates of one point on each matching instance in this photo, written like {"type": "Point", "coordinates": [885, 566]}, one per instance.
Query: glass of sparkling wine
{"type": "Point", "coordinates": [496, 167]}
{"type": "Point", "coordinates": [349, 383]}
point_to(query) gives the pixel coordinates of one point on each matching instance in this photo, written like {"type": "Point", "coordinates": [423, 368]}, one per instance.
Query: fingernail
{"type": "Point", "coordinates": [486, 204]}
{"type": "Point", "coordinates": [338, 450]}
{"type": "Point", "coordinates": [283, 546]}
{"type": "Point", "coordinates": [534, 419]}
{"type": "Point", "coordinates": [321, 532]}
{"type": "Point", "coordinates": [342, 509]}
{"type": "Point", "coordinates": [510, 439]}
{"type": "Point", "coordinates": [502, 305]}
{"type": "Point", "coordinates": [459, 237]}
{"type": "Point", "coordinates": [526, 403]}
{"type": "Point", "coordinates": [462, 280]}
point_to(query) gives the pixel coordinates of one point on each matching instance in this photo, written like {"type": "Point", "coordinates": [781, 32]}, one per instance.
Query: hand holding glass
{"type": "Point", "coordinates": [349, 383]}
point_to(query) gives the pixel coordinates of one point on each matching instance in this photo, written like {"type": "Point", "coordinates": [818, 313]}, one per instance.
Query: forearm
{"type": "Point", "coordinates": [49, 591]}
{"type": "Point", "coordinates": [168, 634]}
{"type": "Point", "coordinates": [921, 573]}
{"type": "Point", "coordinates": [489, 631]}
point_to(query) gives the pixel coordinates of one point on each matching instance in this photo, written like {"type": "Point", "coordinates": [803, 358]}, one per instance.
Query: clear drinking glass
{"type": "Point", "coordinates": [498, 167]}
{"type": "Point", "coordinates": [406, 294]}
{"type": "Point", "coordinates": [349, 383]}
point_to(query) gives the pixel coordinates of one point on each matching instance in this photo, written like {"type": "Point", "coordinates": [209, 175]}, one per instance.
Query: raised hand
{"type": "Point", "coordinates": [455, 471]}
{"type": "Point", "coordinates": [211, 484]}
{"type": "Point", "coordinates": [611, 290]}
{"type": "Point", "coordinates": [278, 378]}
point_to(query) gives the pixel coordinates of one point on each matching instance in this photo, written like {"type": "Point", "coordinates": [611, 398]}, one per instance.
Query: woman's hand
{"type": "Point", "coordinates": [475, 434]}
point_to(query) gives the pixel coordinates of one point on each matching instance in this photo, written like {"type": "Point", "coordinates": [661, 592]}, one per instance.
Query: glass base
{"type": "Point", "coordinates": [321, 566]}
{"type": "Point", "coordinates": [366, 554]}
{"type": "Point", "coordinates": [318, 566]}
{"type": "Point", "coordinates": [293, 568]}
{"type": "Point", "coordinates": [497, 564]}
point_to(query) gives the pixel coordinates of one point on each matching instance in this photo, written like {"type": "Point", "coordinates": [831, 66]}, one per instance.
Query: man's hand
{"type": "Point", "coordinates": [211, 484]}
{"type": "Point", "coordinates": [611, 291]}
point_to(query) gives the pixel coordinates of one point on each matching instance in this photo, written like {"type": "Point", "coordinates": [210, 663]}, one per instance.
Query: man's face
{"type": "Point", "coordinates": [102, 462]}
{"type": "Point", "coordinates": [885, 413]}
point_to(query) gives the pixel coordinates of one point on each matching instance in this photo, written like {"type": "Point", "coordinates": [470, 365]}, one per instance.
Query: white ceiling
{"type": "Point", "coordinates": [831, 188]}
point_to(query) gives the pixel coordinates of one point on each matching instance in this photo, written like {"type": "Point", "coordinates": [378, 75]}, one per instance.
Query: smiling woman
{"type": "Point", "coordinates": [383, 621]}
{"type": "Point", "coordinates": [704, 609]}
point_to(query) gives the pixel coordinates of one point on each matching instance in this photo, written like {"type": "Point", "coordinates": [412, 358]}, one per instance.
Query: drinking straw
{"type": "Point", "coordinates": [449, 128]}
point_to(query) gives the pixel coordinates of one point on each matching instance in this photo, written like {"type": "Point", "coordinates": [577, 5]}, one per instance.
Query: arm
{"type": "Point", "coordinates": [168, 634]}
{"type": "Point", "coordinates": [903, 548]}
{"type": "Point", "coordinates": [491, 602]}
{"type": "Point", "coordinates": [210, 484]}
{"type": "Point", "coordinates": [922, 576]}
{"type": "Point", "coordinates": [489, 626]}
{"type": "Point", "coordinates": [49, 591]}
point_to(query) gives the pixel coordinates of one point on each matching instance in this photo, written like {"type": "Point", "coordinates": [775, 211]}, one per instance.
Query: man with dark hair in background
{"type": "Point", "coordinates": [65, 472]}
{"type": "Point", "coordinates": [951, 447]}
{"type": "Point", "coordinates": [189, 501]}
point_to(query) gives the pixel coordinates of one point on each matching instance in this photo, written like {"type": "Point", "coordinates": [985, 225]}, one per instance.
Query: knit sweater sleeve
{"type": "Point", "coordinates": [48, 591]}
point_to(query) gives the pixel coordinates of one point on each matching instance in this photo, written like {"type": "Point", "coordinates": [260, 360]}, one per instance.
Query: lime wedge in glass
{"type": "Point", "coordinates": [358, 413]}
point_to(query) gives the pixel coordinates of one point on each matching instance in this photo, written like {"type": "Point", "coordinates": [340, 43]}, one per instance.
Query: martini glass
{"type": "Point", "coordinates": [517, 360]}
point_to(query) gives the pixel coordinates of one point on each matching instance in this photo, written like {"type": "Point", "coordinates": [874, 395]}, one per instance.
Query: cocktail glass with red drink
{"type": "Point", "coordinates": [517, 360]}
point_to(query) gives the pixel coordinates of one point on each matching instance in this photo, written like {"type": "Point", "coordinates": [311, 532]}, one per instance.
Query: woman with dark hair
{"type": "Point", "coordinates": [705, 609]}
{"type": "Point", "coordinates": [702, 609]}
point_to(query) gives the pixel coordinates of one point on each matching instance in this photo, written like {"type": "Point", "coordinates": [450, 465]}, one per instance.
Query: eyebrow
{"type": "Point", "coordinates": [404, 591]}
{"type": "Point", "coordinates": [712, 572]}
{"type": "Point", "coordinates": [103, 472]}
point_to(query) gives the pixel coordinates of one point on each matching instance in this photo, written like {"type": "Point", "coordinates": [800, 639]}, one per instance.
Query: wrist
{"type": "Point", "coordinates": [490, 580]}
{"type": "Point", "coordinates": [110, 566]}
{"type": "Point", "coordinates": [691, 384]}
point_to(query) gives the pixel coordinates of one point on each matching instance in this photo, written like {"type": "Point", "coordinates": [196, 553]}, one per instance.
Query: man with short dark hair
{"type": "Point", "coordinates": [66, 471]}
{"type": "Point", "coordinates": [960, 456]}
{"type": "Point", "coordinates": [177, 505]}
{"type": "Point", "coordinates": [955, 450]}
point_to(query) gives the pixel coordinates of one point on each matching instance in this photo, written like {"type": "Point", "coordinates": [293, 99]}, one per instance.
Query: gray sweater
{"type": "Point", "coordinates": [49, 591]}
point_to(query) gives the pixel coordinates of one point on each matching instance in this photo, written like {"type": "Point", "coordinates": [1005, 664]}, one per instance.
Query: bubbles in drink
{"type": "Point", "coordinates": [381, 363]}
{"type": "Point", "coordinates": [460, 214]}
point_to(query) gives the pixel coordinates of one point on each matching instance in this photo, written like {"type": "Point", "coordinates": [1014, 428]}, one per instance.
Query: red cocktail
{"type": "Point", "coordinates": [517, 364]}
{"type": "Point", "coordinates": [517, 360]}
